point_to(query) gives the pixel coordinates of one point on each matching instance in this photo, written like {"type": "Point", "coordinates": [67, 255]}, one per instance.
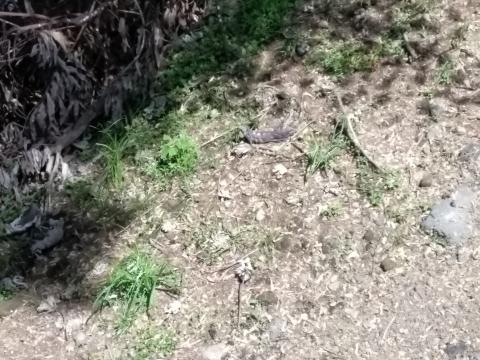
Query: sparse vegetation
{"type": "Point", "coordinates": [132, 285]}
{"type": "Point", "coordinates": [114, 150]}
{"type": "Point", "coordinates": [332, 210]}
{"type": "Point", "coordinates": [340, 58]}
{"type": "Point", "coordinates": [445, 73]}
{"type": "Point", "coordinates": [373, 185]}
{"type": "Point", "coordinates": [154, 342]}
{"type": "Point", "coordinates": [5, 294]}
{"type": "Point", "coordinates": [320, 156]}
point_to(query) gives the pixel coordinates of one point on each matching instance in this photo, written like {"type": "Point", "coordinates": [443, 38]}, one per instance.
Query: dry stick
{"type": "Point", "coordinates": [218, 137]}
{"type": "Point", "coordinates": [232, 264]}
{"type": "Point", "coordinates": [239, 298]}
{"type": "Point", "coordinates": [350, 132]}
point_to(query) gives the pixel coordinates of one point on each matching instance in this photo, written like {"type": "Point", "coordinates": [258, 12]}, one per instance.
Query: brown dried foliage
{"type": "Point", "coordinates": [65, 64]}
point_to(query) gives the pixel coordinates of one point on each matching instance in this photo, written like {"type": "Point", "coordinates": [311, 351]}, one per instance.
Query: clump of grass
{"type": "Point", "coordinates": [153, 343]}
{"type": "Point", "coordinates": [132, 285]}
{"type": "Point", "coordinates": [445, 73]}
{"type": "Point", "coordinates": [332, 210]}
{"type": "Point", "coordinates": [373, 184]}
{"type": "Point", "coordinates": [344, 57]}
{"type": "Point", "coordinates": [5, 294]}
{"type": "Point", "coordinates": [176, 156]}
{"type": "Point", "coordinates": [320, 156]}
{"type": "Point", "coordinates": [113, 151]}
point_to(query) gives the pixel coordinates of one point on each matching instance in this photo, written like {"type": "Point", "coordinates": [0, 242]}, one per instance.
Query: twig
{"type": "Point", "coordinates": [347, 119]}
{"type": "Point", "coordinates": [239, 298]}
{"type": "Point", "coordinates": [387, 328]}
{"type": "Point", "coordinates": [218, 137]}
{"type": "Point", "coordinates": [233, 264]}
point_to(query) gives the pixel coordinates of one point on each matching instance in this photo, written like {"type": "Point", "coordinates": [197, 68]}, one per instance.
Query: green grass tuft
{"type": "Point", "coordinates": [320, 156]}
{"type": "Point", "coordinates": [132, 285]}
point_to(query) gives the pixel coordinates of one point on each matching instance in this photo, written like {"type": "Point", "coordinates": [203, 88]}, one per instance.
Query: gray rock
{"type": "Point", "coordinates": [388, 264]}
{"type": "Point", "coordinates": [277, 328]}
{"type": "Point", "coordinates": [427, 181]}
{"type": "Point", "coordinates": [471, 152]}
{"type": "Point", "coordinates": [452, 218]}
{"type": "Point", "coordinates": [301, 49]}
{"type": "Point", "coordinates": [454, 351]}
{"type": "Point", "coordinates": [439, 109]}
{"type": "Point", "coordinates": [214, 352]}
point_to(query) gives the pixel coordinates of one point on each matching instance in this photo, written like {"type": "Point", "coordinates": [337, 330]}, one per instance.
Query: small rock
{"type": "Point", "coordinates": [421, 43]}
{"type": "Point", "coordinates": [48, 305]}
{"type": "Point", "coordinates": [80, 338]}
{"type": "Point", "coordinates": [301, 49]}
{"type": "Point", "coordinates": [260, 215]}
{"type": "Point", "coordinates": [214, 352]}
{"type": "Point", "coordinates": [470, 152]}
{"type": "Point", "coordinates": [277, 328]}
{"type": "Point", "coordinates": [279, 170]}
{"type": "Point", "coordinates": [268, 298]}
{"type": "Point", "coordinates": [241, 149]}
{"type": "Point", "coordinates": [284, 244]}
{"type": "Point", "coordinates": [167, 226]}
{"type": "Point", "coordinates": [388, 264]}
{"type": "Point", "coordinates": [426, 181]}
{"type": "Point", "coordinates": [292, 199]}
{"type": "Point", "coordinates": [439, 109]}
{"type": "Point", "coordinates": [454, 351]}
{"type": "Point", "coordinates": [369, 236]}
{"type": "Point", "coordinates": [212, 331]}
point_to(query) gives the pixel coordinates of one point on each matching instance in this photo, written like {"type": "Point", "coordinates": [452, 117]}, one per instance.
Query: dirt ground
{"type": "Point", "coordinates": [333, 276]}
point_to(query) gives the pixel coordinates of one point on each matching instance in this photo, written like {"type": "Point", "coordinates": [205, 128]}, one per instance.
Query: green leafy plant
{"type": "Point", "coordinates": [177, 155]}
{"type": "Point", "coordinates": [332, 210]}
{"type": "Point", "coordinates": [374, 184]}
{"type": "Point", "coordinates": [132, 285]}
{"type": "Point", "coordinates": [445, 73]}
{"type": "Point", "coordinates": [154, 342]}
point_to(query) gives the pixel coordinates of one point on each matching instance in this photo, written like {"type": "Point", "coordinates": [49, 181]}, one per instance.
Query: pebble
{"type": "Point", "coordinates": [456, 350]}
{"type": "Point", "coordinates": [214, 352]}
{"type": "Point", "coordinates": [388, 264]}
{"type": "Point", "coordinates": [277, 328]}
{"type": "Point", "coordinates": [279, 170]}
{"type": "Point", "coordinates": [241, 149]}
{"type": "Point", "coordinates": [268, 298]}
{"type": "Point", "coordinates": [260, 216]}
{"type": "Point", "coordinates": [301, 49]}
{"type": "Point", "coordinates": [426, 181]}
{"type": "Point", "coordinates": [167, 226]}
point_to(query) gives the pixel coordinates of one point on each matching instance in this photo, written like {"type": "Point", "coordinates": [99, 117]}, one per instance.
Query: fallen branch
{"type": "Point", "coordinates": [346, 123]}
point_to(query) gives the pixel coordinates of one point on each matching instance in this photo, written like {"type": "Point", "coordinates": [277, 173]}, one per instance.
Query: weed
{"type": "Point", "coordinates": [5, 294]}
{"type": "Point", "coordinates": [178, 155]}
{"type": "Point", "coordinates": [408, 15]}
{"type": "Point", "coordinates": [332, 210]}
{"type": "Point", "coordinates": [114, 150]}
{"type": "Point", "coordinates": [320, 157]}
{"type": "Point", "coordinates": [153, 343]}
{"type": "Point", "coordinates": [373, 184]}
{"type": "Point", "coordinates": [445, 73]}
{"type": "Point", "coordinates": [132, 284]}
{"type": "Point", "coordinates": [344, 57]}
